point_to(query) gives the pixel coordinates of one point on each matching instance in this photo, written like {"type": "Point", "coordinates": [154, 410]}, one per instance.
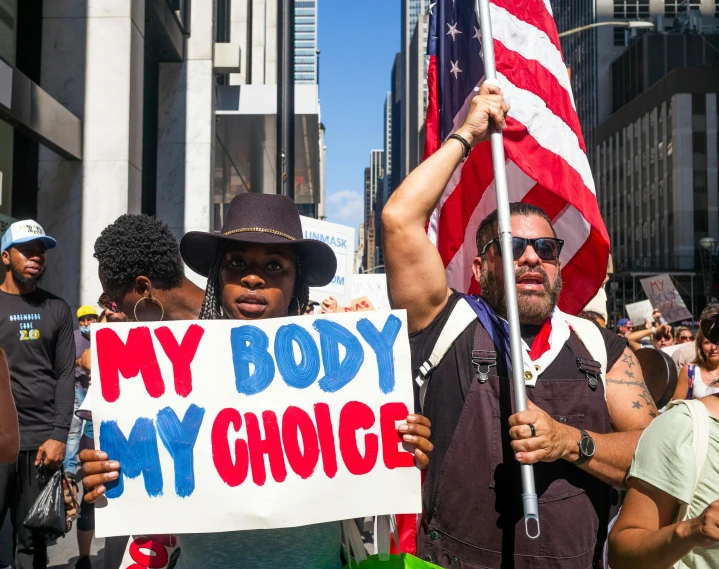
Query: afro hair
{"type": "Point", "coordinates": [139, 245]}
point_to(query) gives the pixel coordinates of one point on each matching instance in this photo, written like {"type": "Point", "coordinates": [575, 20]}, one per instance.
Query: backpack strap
{"type": "Point", "coordinates": [700, 443]}
{"type": "Point", "coordinates": [691, 374]}
{"type": "Point", "coordinates": [593, 341]}
{"type": "Point", "coordinates": [461, 317]}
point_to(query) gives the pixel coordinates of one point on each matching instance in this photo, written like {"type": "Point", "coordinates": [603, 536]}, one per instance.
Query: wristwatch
{"type": "Point", "coordinates": [586, 448]}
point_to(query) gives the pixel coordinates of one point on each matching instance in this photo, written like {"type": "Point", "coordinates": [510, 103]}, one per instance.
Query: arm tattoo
{"type": "Point", "coordinates": [646, 399]}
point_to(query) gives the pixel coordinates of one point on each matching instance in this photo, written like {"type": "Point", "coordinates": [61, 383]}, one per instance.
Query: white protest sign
{"type": "Point", "coordinates": [342, 240]}
{"type": "Point", "coordinates": [269, 424]}
{"type": "Point", "coordinates": [639, 312]}
{"type": "Point", "coordinates": [374, 287]}
{"type": "Point", "coordinates": [664, 296]}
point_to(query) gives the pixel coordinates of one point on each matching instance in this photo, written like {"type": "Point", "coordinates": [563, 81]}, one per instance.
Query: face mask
{"type": "Point", "coordinates": [85, 329]}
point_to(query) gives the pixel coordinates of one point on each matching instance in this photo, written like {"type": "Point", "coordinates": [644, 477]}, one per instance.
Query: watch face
{"type": "Point", "coordinates": [586, 446]}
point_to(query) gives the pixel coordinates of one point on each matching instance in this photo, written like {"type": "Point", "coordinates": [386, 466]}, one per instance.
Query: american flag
{"type": "Point", "coordinates": [546, 156]}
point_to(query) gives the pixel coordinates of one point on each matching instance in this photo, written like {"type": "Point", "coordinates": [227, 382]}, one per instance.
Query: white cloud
{"type": "Point", "coordinates": [346, 207]}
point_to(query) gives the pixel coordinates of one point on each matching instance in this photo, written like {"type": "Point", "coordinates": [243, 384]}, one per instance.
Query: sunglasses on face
{"type": "Point", "coordinates": [107, 299]}
{"type": "Point", "coordinates": [547, 248]}
{"type": "Point", "coordinates": [686, 338]}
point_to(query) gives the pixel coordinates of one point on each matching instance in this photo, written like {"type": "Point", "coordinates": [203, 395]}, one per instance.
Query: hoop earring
{"type": "Point", "coordinates": [297, 301]}
{"type": "Point", "coordinates": [154, 301]}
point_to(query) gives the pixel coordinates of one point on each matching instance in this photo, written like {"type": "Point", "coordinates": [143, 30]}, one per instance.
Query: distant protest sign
{"type": "Point", "coordinates": [639, 312]}
{"type": "Point", "coordinates": [233, 425]}
{"type": "Point", "coordinates": [664, 296]}
{"type": "Point", "coordinates": [342, 240]}
{"type": "Point", "coordinates": [374, 287]}
{"type": "Point", "coordinates": [360, 304]}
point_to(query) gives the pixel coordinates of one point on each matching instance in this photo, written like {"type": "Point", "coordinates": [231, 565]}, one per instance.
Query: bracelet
{"type": "Point", "coordinates": [467, 147]}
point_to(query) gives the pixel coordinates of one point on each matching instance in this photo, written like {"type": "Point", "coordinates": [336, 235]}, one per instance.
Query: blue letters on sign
{"type": "Point", "coordinates": [179, 440]}
{"type": "Point", "coordinates": [136, 456]}
{"type": "Point", "coordinates": [337, 374]}
{"type": "Point", "coordinates": [249, 346]}
{"type": "Point", "coordinates": [382, 343]}
{"type": "Point", "coordinates": [300, 375]}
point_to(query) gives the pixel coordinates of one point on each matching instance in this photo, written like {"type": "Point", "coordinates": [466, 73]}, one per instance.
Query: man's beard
{"type": "Point", "coordinates": [529, 312]}
{"type": "Point", "coordinates": [23, 281]}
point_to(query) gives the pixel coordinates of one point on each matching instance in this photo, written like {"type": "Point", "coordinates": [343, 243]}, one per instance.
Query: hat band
{"type": "Point", "coordinates": [260, 230]}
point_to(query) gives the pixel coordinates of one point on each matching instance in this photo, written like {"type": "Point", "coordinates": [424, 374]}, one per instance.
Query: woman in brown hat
{"type": "Point", "coordinates": [258, 267]}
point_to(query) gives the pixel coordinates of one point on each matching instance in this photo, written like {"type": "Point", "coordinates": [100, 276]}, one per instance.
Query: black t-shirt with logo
{"type": "Point", "coordinates": [36, 332]}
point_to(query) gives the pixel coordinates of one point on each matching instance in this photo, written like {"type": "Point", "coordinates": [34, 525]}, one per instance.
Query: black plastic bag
{"type": "Point", "coordinates": [47, 514]}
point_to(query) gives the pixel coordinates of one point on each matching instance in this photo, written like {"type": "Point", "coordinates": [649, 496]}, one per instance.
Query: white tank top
{"type": "Point", "coordinates": [701, 389]}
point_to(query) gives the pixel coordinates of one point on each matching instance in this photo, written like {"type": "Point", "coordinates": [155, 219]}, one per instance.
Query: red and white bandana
{"type": "Point", "coordinates": [552, 336]}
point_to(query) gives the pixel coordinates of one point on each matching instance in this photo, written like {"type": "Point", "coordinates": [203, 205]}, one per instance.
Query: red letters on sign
{"type": "Point", "coordinates": [271, 445]}
{"type": "Point", "coordinates": [327, 439]}
{"type": "Point", "coordinates": [235, 473]}
{"type": "Point", "coordinates": [159, 559]}
{"type": "Point", "coordinates": [355, 416]}
{"type": "Point", "coordinates": [295, 421]}
{"type": "Point", "coordinates": [389, 414]}
{"type": "Point", "coordinates": [116, 357]}
{"type": "Point", "coordinates": [181, 355]}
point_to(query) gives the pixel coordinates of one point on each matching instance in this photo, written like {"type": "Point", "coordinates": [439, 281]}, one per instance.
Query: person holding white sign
{"type": "Point", "coordinates": [260, 267]}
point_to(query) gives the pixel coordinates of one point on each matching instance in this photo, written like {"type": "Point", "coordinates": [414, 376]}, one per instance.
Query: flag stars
{"type": "Point", "coordinates": [453, 31]}
{"type": "Point", "coordinates": [455, 69]}
{"type": "Point", "coordinates": [477, 34]}
{"type": "Point", "coordinates": [431, 8]}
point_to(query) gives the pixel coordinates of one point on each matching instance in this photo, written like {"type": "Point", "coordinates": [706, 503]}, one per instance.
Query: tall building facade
{"type": "Point", "coordinates": [134, 106]}
{"type": "Point", "coordinates": [306, 67]}
{"type": "Point", "coordinates": [657, 164]}
{"type": "Point", "coordinates": [589, 54]}
{"type": "Point", "coordinates": [373, 188]}
{"type": "Point", "coordinates": [413, 79]}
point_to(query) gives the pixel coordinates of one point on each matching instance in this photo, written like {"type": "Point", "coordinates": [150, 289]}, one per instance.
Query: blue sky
{"type": "Point", "coordinates": [358, 41]}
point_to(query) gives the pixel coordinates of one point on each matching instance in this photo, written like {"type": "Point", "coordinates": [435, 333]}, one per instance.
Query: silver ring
{"type": "Point", "coordinates": [531, 428]}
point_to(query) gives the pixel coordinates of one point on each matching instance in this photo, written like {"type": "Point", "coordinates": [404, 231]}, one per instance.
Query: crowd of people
{"type": "Point", "coordinates": [591, 423]}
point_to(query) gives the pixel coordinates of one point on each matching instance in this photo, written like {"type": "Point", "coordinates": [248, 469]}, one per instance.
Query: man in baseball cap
{"type": "Point", "coordinates": [36, 332]}
{"type": "Point", "coordinates": [625, 326]}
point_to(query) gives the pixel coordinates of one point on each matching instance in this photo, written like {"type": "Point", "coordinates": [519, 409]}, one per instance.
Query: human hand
{"type": "Point", "coordinates": [329, 305]}
{"type": "Point", "coordinates": [97, 470]}
{"type": "Point", "coordinates": [703, 530]}
{"type": "Point", "coordinates": [415, 434]}
{"type": "Point", "coordinates": [488, 104]}
{"type": "Point", "coordinates": [54, 452]}
{"type": "Point", "coordinates": [78, 362]}
{"type": "Point", "coordinates": [550, 441]}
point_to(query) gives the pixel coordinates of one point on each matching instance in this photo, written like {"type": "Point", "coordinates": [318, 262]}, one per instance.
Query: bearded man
{"type": "Point", "coordinates": [36, 332]}
{"type": "Point", "coordinates": [582, 426]}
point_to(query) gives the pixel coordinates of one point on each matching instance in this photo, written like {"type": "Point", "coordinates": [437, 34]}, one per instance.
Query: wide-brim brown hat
{"type": "Point", "coordinates": [266, 219]}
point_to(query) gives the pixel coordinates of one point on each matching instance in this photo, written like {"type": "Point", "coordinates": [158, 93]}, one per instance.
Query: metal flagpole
{"type": "Point", "coordinates": [529, 493]}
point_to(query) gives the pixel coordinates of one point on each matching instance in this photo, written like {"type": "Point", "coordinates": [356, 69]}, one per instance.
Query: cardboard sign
{"type": "Point", "coordinates": [269, 424]}
{"type": "Point", "coordinates": [639, 312]}
{"type": "Point", "coordinates": [342, 240]}
{"type": "Point", "coordinates": [359, 305]}
{"type": "Point", "coordinates": [664, 296]}
{"type": "Point", "coordinates": [374, 287]}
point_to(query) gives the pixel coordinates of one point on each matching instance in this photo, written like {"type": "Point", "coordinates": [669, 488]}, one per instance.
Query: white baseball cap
{"type": "Point", "coordinates": [25, 231]}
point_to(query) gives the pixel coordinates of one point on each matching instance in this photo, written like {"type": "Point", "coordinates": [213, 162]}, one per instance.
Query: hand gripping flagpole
{"type": "Point", "coordinates": [529, 493]}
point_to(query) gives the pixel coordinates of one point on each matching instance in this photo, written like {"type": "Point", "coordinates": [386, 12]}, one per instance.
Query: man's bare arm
{"type": "Point", "coordinates": [631, 409]}
{"type": "Point", "coordinates": [415, 272]}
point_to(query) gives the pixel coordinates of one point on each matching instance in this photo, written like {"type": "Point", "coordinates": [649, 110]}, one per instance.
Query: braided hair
{"type": "Point", "coordinates": [212, 304]}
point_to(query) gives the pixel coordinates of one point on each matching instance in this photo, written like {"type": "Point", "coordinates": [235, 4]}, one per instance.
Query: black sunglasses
{"type": "Point", "coordinates": [547, 248]}
{"type": "Point", "coordinates": [107, 299]}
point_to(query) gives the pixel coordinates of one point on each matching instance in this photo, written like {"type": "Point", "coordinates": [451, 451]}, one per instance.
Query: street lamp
{"type": "Point", "coordinates": [640, 24]}
{"type": "Point", "coordinates": [373, 269]}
